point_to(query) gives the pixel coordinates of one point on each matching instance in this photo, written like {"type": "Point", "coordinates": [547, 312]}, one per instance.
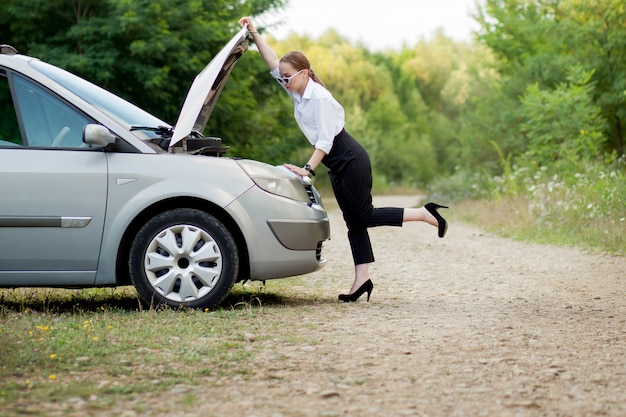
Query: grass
{"type": "Point", "coordinates": [580, 205]}
{"type": "Point", "coordinates": [511, 217]}
{"type": "Point", "coordinates": [98, 346]}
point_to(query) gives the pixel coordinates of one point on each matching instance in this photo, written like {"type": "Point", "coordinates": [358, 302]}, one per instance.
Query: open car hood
{"type": "Point", "coordinates": [207, 87]}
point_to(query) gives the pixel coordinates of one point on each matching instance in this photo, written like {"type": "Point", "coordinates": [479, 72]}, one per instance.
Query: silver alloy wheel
{"type": "Point", "coordinates": [183, 263]}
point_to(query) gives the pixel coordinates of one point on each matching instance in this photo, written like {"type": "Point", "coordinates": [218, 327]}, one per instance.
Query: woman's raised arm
{"type": "Point", "coordinates": [268, 54]}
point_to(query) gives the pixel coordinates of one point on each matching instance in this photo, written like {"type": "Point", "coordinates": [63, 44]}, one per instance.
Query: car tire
{"type": "Point", "coordinates": [183, 258]}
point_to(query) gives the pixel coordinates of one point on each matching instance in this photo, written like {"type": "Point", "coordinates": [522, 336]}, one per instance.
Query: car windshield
{"type": "Point", "coordinates": [130, 116]}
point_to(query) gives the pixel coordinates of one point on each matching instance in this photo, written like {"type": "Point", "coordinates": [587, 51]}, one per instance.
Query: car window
{"type": "Point", "coordinates": [47, 121]}
{"type": "Point", "coordinates": [9, 128]}
{"type": "Point", "coordinates": [118, 109]}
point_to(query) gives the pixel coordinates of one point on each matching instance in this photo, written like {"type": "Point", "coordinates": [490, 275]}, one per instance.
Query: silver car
{"type": "Point", "coordinates": [97, 192]}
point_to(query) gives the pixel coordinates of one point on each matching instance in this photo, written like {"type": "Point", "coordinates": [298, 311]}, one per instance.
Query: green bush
{"type": "Point", "coordinates": [562, 125]}
{"type": "Point", "coordinates": [461, 185]}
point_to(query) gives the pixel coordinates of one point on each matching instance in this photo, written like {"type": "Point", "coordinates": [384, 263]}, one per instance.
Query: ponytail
{"type": "Point", "coordinates": [315, 78]}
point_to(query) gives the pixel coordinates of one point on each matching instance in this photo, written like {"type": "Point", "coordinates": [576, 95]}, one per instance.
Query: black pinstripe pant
{"type": "Point", "coordinates": [350, 172]}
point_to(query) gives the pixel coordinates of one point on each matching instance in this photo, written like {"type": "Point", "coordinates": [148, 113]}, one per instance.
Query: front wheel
{"type": "Point", "coordinates": [183, 257]}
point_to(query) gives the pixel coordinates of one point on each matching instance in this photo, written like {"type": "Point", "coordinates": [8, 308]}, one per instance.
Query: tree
{"type": "Point", "coordinates": [562, 124]}
{"type": "Point", "coordinates": [147, 51]}
{"type": "Point", "coordinates": [596, 38]}
{"type": "Point", "coordinates": [537, 40]}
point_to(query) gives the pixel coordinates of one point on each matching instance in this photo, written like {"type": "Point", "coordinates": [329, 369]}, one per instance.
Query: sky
{"type": "Point", "coordinates": [379, 24]}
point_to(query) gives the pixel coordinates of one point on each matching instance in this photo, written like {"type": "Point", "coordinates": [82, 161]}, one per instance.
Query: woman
{"type": "Point", "coordinates": [321, 119]}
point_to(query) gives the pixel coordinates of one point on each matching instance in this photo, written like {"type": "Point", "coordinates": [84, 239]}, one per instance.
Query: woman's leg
{"type": "Point", "coordinates": [352, 187]}
{"type": "Point", "coordinates": [386, 216]}
{"type": "Point", "coordinates": [353, 201]}
{"type": "Point", "coordinates": [361, 275]}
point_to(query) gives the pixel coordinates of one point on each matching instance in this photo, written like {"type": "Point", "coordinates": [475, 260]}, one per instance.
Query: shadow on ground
{"type": "Point", "coordinates": [64, 301]}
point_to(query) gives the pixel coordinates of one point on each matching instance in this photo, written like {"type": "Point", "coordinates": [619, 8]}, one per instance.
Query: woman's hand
{"type": "Point", "coordinates": [296, 169]}
{"type": "Point", "coordinates": [247, 20]}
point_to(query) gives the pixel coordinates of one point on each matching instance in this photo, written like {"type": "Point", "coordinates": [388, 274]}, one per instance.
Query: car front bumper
{"type": "Point", "coordinates": [300, 234]}
{"type": "Point", "coordinates": [284, 237]}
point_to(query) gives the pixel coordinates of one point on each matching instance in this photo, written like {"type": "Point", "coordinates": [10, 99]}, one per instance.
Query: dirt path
{"type": "Point", "coordinates": [469, 325]}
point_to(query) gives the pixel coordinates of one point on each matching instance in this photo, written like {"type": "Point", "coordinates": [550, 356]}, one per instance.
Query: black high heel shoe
{"type": "Point", "coordinates": [367, 286]}
{"type": "Point", "coordinates": [443, 224]}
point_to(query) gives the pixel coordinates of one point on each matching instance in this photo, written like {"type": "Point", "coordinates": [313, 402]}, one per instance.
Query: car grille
{"type": "Point", "coordinates": [318, 251]}
{"type": "Point", "coordinates": [309, 191]}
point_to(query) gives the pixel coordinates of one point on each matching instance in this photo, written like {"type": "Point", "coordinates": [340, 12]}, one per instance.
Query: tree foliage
{"type": "Point", "coordinates": [563, 124]}
{"type": "Point", "coordinates": [147, 51]}
{"type": "Point", "coordinates": [543, 77]}
{"type": "Point", "coordinates": [536, 41]}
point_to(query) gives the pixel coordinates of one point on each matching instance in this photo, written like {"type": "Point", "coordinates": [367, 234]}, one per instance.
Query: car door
{"type": "Point", "coordinates": [53, 189]}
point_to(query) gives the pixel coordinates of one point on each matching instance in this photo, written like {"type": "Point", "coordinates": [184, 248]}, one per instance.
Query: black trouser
{"type": "Point", "coordinates": [350, 172]}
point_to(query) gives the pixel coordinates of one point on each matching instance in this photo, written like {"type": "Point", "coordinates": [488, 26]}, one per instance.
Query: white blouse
{"type": "Point", "coordinates": [318, 114]}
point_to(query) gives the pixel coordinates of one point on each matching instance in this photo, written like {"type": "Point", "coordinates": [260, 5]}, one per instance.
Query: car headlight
{"type": "Point", "coordinates": [276, 180]}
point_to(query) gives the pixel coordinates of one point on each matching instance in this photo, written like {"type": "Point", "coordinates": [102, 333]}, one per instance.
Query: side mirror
{"type": "Point", "coordinates": [97, 135]}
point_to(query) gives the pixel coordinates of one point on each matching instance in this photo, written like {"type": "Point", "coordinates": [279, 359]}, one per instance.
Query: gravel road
{"type": "Point", "coordinates": [468, 325]}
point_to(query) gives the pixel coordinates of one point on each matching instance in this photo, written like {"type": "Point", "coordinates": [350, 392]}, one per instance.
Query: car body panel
{"type": "Point", "coordinates": [73, 184]}
{"type": "Point", "coordinates": [207, 87]}
{"type": "Point", "coordinates": [181, 176]}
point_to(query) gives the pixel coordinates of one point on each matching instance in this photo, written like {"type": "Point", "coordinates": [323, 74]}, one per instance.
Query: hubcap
{"type": "Point", "coordinates": [183, 263]}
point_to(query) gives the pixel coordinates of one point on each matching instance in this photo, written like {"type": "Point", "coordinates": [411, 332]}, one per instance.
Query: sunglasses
{"type": "Point", "coordinates": [286, 80]}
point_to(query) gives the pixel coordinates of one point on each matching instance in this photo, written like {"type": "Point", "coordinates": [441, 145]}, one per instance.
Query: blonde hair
{"type": "Point", "coordinates": [299, 61]}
